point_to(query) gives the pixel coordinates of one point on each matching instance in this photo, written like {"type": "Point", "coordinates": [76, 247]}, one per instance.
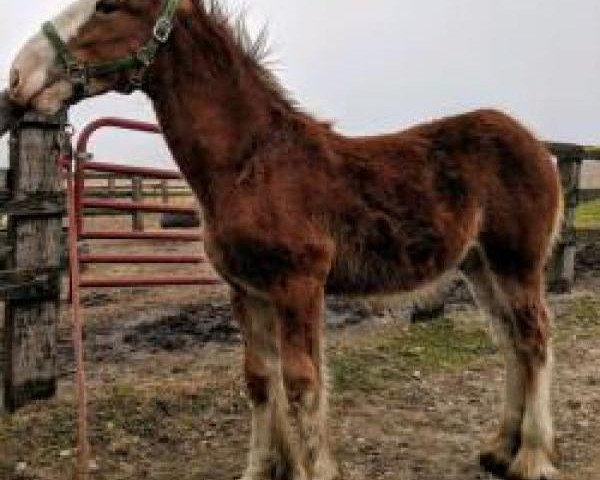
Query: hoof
{"type": "Point", "coordinates": [532, 464]}
{"type": "Point", "coordinates": [497, 456]}
{"type": "Point", "coordinates": [494, 465]}
{"type": "Point", "coordinates": [275, 472]}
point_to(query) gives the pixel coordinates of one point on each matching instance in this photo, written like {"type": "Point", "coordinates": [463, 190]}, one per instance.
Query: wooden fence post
{"type": "Point", "coordinates": [137, 194]}
{"type": "Point", "coordinates": [561, 275]}
{"type": "Point", "coordinates": [31, 281]}
{"type": "Point", "coordinates": [164, 188]}
{"type": "Point", "coordinates": [111, 186]}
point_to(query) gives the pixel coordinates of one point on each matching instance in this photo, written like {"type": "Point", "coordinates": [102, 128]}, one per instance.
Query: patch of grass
{"type": "Point", "coordinates": [371, 362]}
{"type": "Point", "coordinates": [392, 355]}
{"type": "Point", "coordinates": [582, 319]}
{"type": "Point", "coordinates": [146, 414]}
{"type": "Point", "coordinates": [588, 215]}
{"type": "Point", "coordinates": [121, 417]}
{"type": "Point", "coordinates": [36, 435]}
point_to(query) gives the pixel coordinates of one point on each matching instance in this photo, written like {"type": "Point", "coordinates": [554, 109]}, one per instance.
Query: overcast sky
{"type": "Point", "coordinates": [382, 65]}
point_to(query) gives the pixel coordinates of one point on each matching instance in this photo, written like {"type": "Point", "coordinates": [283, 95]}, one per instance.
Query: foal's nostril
{"type": "Point", "coordinates": [15, 79]}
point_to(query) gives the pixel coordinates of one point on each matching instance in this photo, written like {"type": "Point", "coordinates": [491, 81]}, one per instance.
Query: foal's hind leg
{"type": "Point", "coordinates": [525, 443]}
{"type": "Point", "coordinates": [498, 454]}
{"type": "Point", "coordinates": [272, 455]}
{"type": "Point", "coordinates": [534, 353]}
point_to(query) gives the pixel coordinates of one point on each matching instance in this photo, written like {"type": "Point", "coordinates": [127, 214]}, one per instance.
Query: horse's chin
{"type": "Point", "coordinates": [53, 98]}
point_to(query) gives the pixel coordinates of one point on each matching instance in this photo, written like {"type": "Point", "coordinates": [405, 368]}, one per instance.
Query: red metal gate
{"type": "Point", "coordinates": [83, 162]}
{"type": "Point", "coordinates": [76, 165]}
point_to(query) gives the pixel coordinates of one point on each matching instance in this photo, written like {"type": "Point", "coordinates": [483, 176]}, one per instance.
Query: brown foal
{"type": "Point", "coordinates": [294, 210]}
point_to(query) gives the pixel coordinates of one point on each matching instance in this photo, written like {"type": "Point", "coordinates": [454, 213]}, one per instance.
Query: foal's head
{"type": "Point", "coordinates": [107, 34]}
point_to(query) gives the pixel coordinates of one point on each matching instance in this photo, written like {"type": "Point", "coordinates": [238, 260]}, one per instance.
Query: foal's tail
{"type": "Point", "coordinates": [560, 215]}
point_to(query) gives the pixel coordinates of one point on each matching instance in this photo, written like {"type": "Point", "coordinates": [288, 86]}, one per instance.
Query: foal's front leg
{"type": "Point", "coordinates": [301, 308]}
{"type": "Point", "coordinates": [273, 453]}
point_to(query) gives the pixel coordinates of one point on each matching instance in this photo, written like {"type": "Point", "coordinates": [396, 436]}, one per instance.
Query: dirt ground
{"type": "Point", "coordinates": [409, 401]}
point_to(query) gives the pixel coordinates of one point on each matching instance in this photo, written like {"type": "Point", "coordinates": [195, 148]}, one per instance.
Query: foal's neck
{"type": "Point", "coordinates": [211, 103]}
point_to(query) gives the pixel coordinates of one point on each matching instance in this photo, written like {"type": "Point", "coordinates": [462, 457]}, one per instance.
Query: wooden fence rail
{"type": "Point", "coordinates": [103, 185]}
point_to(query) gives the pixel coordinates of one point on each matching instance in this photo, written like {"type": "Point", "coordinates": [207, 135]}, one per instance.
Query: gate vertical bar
{"type": "Point", "coordinates": [83, 447]}
{"type": "Point", "coordinates": [79, 187]}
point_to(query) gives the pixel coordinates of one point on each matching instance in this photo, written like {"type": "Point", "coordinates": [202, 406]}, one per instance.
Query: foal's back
{"type": "Point", "coordinates": [408, 206]}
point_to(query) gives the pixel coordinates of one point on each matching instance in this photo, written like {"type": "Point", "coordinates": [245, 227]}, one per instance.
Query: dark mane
{"type": "Point", "coordinates": [256, 50]}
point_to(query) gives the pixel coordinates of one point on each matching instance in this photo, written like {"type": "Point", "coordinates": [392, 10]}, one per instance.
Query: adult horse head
{"type": "Point", "coordinates": [293, 210]}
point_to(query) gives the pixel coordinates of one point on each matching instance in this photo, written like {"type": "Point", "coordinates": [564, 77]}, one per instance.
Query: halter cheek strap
{"type": "Point", "coordinates": [80, 73]}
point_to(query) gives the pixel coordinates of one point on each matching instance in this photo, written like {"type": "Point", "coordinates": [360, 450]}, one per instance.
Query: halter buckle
{"type": "Point", "coordinates": [77, 73]}
{"type": "Point", "coordinates": [162, 29]}
{"type": "Point", "coordinates": [136, 82]}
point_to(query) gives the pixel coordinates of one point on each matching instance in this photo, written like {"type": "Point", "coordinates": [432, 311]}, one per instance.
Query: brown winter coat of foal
{"type": "Point", "coordinates": [294, 210]}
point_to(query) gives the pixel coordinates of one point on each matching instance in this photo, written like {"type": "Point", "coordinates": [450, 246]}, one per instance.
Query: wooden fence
{"type": "Point", "coordinates": [32, 200]}
{"type": "Point", "coordinates": [112, 185]}
{"type": "Point", "coordinates": [561, 275]}
{"type": "Point", "coordinates": [135, 188]}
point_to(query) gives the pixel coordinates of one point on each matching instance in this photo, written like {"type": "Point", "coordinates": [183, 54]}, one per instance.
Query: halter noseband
{"type": "Point", "coordinates": [79, 73]}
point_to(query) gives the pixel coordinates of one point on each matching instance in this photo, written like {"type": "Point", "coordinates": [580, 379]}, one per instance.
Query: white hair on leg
{"type": "Point", "coordinates": [534, 459]}
{"type": "Point", "coordinates": [312, 414]}
{"type": "Point", "coordinates": [500, 449]}
{"type": "Point", "coordinates": [503, 446]}
{"type": "Point", "coordinates": [273, 448]}
{"type": "Point", "coordinates": [514, 393]}
{"type": "Point", "coordinates": [271, 444]}
{"type": "Point", "coordinates": [537, 421]}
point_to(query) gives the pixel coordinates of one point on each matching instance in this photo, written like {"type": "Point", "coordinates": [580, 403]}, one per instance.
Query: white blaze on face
{"type": "Point", "coordinates": [30, 82]}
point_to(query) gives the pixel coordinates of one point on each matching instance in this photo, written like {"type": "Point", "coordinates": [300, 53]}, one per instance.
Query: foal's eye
{"type": "Point", "coordinates": [107, 6]}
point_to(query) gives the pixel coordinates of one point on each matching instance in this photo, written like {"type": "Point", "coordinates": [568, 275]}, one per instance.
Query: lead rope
{"type": "Point", "coordinates": [83, 446]}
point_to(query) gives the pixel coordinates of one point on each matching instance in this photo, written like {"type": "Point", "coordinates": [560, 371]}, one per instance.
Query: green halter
{"type": "Point", "coordinates": [80, 73]}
